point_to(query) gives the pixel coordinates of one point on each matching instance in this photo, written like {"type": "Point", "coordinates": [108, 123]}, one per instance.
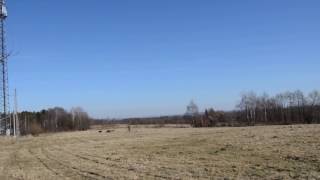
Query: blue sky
{"type": "Point", "coordinates": [124, 58]}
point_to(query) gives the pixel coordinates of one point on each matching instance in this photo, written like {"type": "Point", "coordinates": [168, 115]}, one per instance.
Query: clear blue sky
{"type": "Point", "coordinates": [123, 58]}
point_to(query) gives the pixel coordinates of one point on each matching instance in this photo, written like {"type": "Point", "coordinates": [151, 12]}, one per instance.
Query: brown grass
{"type": "Point", "coordinates": [270, 152]}
{"type": "Point", "coordinates": [36, 129]}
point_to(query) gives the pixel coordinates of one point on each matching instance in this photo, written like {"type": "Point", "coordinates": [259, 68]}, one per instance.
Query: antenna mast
{"type": "Point", "coordinates": [16, 126]}
{"type": "Point", "coordinates": [4, 96]}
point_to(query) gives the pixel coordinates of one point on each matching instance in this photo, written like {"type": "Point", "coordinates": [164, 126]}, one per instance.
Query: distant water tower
{"type": "Point", "coordinates": [192, 109]}
{"type": "Point", "coordinates": [4, 96]}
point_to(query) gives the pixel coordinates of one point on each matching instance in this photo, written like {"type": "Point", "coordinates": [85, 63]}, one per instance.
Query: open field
{"type": "Point", "coordinates": [271, 152]}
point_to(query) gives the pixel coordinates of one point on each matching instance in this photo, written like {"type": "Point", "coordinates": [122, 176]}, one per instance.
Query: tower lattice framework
{"type": "Point", "coordinates": [4, 88]}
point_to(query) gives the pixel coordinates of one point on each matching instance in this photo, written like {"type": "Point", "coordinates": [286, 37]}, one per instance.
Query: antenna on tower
{"type": "Point", "coordinates": [4, 13]}
{"type": "Point", "coordinates": [4, 95]}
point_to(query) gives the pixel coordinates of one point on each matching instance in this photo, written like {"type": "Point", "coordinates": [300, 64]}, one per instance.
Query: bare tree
{"type": "Point", "coordinates": [80, 118]}
{"type": "Point", "coordinates": [248, 103]}
{"type": "Point", "coordinates": [314, 102]}
{"type": "Point", "coordinates": [314, 98]}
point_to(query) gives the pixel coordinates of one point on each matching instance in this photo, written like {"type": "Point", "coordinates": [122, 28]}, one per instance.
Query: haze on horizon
{"type": "Point", "coordinates": [148, 58]}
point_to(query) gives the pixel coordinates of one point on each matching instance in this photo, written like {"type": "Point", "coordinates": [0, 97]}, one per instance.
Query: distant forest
{"type": "Point", "coordinates": [284, 108]}
{"type": "Point", "coordinates": [53, 120]}
{"type": "Point", "coordinates": [281, 109]}
{"type": "Point", "coordinates": [252, 109]}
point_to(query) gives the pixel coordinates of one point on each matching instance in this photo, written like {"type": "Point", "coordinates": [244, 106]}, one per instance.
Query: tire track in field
{"type": "Point", "coordinates": [115, 165]}
{"type": "Point", "coordinates": [63, 166]}
{"type": "Point", "coordinates": [15, 157]}
{"type": "Point", "coordinates": [79, 171]}
{"type": "Point", "coordinates": [11, 163]}
{"type": "Point", "coordinates": [85, 157]}
{"type": "Point", "coordinates": [45, 164]}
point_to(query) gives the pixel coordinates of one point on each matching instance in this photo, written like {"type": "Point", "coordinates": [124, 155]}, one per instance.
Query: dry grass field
{"type": "Point", "coordinates": [270, 152]}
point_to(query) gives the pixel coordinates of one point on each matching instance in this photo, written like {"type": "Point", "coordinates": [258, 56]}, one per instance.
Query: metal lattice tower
{"type": "Point", "coordinates": [4, 95]}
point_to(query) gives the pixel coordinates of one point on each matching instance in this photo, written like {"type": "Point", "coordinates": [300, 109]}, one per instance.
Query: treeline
{"type": "Point", "coordinates": [53, 120]}
{"type": "Point", "coordinates": [177, 119]}
{"type": "Point", "coordinates": [284, 108]}
{"type": "Point", "coordinates": [253, 109]}
{"type": "Point", "coordinates": [212, 118]}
